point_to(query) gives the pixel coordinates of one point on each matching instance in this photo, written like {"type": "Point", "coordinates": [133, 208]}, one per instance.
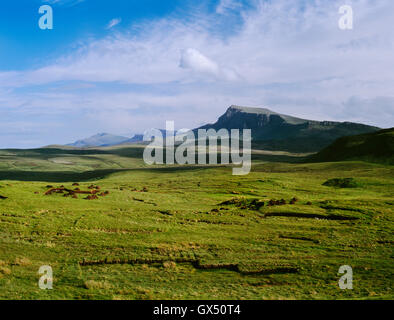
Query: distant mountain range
{"type": "Point", "coordinates": [105, 140]}
{"type": "Point", "coordinates": [375, 147]}
{"type": "Point", "coordinates": [270, 131]}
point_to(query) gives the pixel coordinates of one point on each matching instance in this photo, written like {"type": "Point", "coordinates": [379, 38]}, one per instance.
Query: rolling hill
{"type": "Point", "coordinates": [375, 147]}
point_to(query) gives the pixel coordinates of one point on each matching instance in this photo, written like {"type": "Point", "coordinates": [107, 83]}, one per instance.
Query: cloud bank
{"type": "Point", "coordinates": [286, 55]}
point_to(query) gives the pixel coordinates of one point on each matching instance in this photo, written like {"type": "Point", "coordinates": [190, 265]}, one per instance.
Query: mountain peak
{"type": "Point", "coordinates": [254, 110]}
{"type": "Point", "coordinates": [263, 112]}
{"type": "Point", "coordinates": [99, 140]}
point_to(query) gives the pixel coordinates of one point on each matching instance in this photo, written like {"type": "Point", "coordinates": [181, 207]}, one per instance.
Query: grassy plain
{"type": "Point", "coordinates": [163, 232]}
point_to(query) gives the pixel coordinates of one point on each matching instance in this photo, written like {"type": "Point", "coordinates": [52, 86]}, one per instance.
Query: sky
{"type": "Point", "coordinates": [125, 66]}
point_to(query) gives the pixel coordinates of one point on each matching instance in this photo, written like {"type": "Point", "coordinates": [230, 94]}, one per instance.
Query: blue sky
{"type": "Point", "coordinates": [125, 66]}
{"type": "Point", "coordinates": [74, 21]}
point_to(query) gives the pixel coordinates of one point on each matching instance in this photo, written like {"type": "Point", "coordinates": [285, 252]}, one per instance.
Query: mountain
{"type": "Point", "coordinates": [375, 147]}
{"type": "Point", "coordinates": [275, 131]}
{"type": "Point", "coordinates": [270, 131]}
{"type": "Point", "coordinates": [135, 139]}
{"type": "Point", "coordinates": [99, 140]}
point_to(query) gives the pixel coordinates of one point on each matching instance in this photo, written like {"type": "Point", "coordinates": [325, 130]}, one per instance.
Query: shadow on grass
{"type": "Point", "coordinates": [47, 153]}
{"type": "Point", "coordinates": [127, 152]}
{"type": "Point", "coordinates": [63, 176]}
{"type": "Point", "coordinates": [56, 176]}
{"type": "Point", "coordinates": [278, 158]}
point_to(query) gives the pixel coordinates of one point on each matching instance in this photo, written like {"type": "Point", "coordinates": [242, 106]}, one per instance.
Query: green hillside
{"type": "Point", "coordinates": [192, 232]}
{"type": "Point", "coordinates": [200, 233]}
{"type": "Point", "coordinates": [375, 147]}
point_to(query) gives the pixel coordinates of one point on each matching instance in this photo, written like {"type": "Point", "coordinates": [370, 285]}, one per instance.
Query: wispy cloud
{"type": "Point", "coordinates": [113, 23]}
{"type": "Point", "coordinates": [228, 5]}
{"type": "Point", "coordinates": [63, 2]}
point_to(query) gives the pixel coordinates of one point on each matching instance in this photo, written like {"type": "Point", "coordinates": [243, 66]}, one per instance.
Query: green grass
{"type": "Point", "coordinates": [177, 241]}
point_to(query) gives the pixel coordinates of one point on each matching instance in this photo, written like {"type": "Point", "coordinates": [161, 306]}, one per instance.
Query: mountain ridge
{"type": "Point", "coordinates": [275, 131]}
{"type": "Point", "coordinates": [99, 140]}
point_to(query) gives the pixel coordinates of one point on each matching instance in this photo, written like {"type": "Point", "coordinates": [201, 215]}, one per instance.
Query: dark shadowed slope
{"type": "Point", "coordinates": [374, 147]}
{"type": "Point", "coordinates": [274, 131]}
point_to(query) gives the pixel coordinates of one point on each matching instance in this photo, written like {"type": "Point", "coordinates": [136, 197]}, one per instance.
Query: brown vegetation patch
{"type": "Point", "coordinates": [93, 193]}
{"type": "Point", "coordinates": [91, 197]}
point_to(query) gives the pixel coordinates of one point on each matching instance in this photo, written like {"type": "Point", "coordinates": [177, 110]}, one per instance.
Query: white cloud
{"type": "Point", "coordinates": [277, 43]}
{"type": "Point", "coordinates": [113, 23]}
{"type": "Point", "coordinates": [293, 60]}
{"type": "Point", "coordinates": [195, 60]}
{"type": "Point", "coordinates": [376, 110]}
{"type": "Point", "coordinates": [227, 5]}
